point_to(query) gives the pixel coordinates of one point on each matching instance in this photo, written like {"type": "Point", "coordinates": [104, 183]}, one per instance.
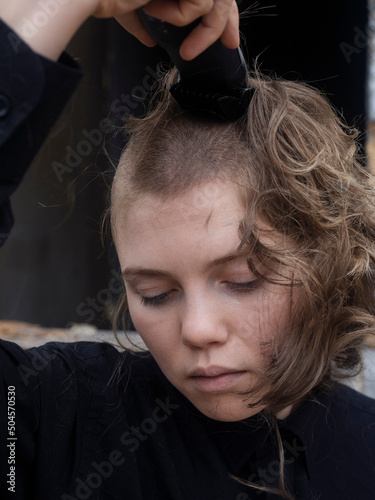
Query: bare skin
{"type": "Point", "coordinates": [219, 20]}
{"type": "Point", "coordinates": [209, 322]}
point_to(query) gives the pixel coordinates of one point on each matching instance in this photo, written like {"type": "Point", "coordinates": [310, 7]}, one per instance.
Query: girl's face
{"type": "Point", "coordinates": [210, 324]}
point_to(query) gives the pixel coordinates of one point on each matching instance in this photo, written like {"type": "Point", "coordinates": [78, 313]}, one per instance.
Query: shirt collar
{"type": "Point", "coordinates": [306, 433]}
{"type": "Point", "coordinates": [314, 423]}
{"type": "Point", "coordinates": [238, 441]}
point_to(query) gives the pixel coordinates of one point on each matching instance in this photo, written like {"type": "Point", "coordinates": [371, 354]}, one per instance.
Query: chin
{"type": "Point", "coordinates": [224, 409]}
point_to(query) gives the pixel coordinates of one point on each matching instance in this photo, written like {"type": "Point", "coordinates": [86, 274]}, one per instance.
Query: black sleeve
{"type": "Point", "coordinates": [51, 397]}
{"type": "Point", "coordinates": [19, 422]}
{"type": "Point", "coordinates": [33, 93]}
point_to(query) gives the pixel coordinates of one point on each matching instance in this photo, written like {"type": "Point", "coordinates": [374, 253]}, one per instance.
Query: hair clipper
{"type": "Point", "coordinates": [215, 82]}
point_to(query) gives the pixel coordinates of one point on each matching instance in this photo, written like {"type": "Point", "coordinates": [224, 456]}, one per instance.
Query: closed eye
{"type": "Point", "coordinates": [155, 300]}
{"type": "Point", "coordinates": [243, 286]}
{"type": "Point", "coordinates": [162, 298]}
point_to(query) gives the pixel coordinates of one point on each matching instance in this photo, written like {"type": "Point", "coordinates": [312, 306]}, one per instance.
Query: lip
{"type": "Point", "coordinates": [215, 378]}
{"type": "Point", "coordinates": [212, 371]}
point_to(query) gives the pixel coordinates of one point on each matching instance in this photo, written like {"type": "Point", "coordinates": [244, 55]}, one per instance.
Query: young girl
{"type": "Point", "coordinates": [247, 251]}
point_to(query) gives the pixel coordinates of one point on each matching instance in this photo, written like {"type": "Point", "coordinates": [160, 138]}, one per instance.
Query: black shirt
{"type": "Point", "coordinates": [93, 423]}
{"type": "Point", "coordinates": [82, 421]}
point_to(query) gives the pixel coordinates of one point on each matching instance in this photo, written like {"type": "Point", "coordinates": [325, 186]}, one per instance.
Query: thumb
{"type": "Point", "coordinates": [133, 24]}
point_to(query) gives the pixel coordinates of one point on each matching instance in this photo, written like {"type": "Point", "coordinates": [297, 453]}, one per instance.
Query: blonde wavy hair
{"type": "Point", "coordinates": [297, 168]}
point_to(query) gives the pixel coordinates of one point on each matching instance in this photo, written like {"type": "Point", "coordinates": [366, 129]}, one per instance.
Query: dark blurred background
{"type": "Point", "coordinates": [54, 270]}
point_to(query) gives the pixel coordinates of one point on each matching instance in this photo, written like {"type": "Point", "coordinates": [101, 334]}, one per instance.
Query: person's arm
{"type": "Point", "coordinates": [34, 87]}
{"type": "Point", "coordinates": [60, 19]}
{"type": "Point", "coordinates": [219, 19]}
{"type": "Point", "coordinates": [33, 93]}
{"type": "Point", "coordinates": [46, 30]}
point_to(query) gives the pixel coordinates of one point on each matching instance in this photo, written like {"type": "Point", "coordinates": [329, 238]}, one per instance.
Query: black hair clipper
{"type": "Point", "coordinates": [215, 82]}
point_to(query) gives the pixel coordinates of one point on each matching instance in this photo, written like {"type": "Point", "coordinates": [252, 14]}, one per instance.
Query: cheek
{"type": "Point", "coordinates": [256, 323]}
{"type": "Point", "coordinates": [280, 318]}
{"type": "Point", "coordinates": [270, 319]}
{"type": "Point", "coordinates": [157, 330]}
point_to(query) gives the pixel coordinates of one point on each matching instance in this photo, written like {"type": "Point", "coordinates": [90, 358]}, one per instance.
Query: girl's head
{"type": "Point", "coordinates": [247, 248]}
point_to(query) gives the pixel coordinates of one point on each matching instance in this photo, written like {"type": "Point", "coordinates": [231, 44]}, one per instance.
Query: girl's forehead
{"type": "Point", "coordinates": [216, 201]}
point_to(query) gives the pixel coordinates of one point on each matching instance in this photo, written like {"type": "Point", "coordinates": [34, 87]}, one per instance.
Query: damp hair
{"type": "Point", "coordinates": [297, 169]}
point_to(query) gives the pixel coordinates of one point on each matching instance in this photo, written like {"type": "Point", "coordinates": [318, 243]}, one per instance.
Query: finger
{"type": "Point", "coordinates": [180, 12]}
{"type": "Point", "coordinates": [133, 24]}
{"type": "Point", "coordinates": [208, 31]}
{"type": "Point", "coordinates": [115, 8]}
{"type": "Point", "coordinates": [231, 34]}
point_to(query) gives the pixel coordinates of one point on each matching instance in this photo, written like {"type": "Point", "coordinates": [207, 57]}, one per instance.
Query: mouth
{"type": "Point", "coordinates": [216, 379]}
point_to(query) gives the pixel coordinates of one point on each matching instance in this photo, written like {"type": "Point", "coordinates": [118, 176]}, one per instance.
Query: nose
{"type": "Point", "coordinates": [202, 322]}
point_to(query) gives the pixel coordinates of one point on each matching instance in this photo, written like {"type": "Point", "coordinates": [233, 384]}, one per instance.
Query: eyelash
{"type": "Point", "coordinates": [161, 299]}
{"type": "Point", "coordinates": [154, 301]}
{"type": "Point", "coordinates": [244, 287]}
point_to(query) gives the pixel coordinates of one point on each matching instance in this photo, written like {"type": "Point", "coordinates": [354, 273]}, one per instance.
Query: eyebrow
{"type": "Point", "coordinates": [133, 272]}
